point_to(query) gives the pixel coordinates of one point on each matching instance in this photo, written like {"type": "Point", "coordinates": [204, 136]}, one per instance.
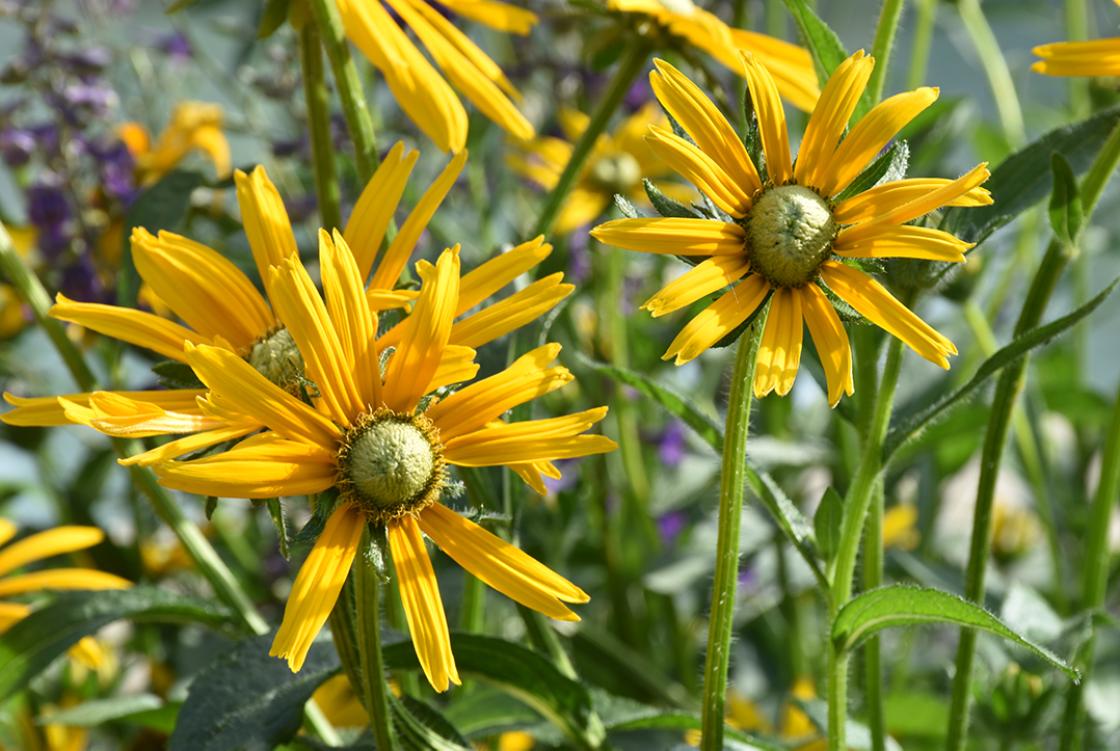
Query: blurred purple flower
{"type": "Point", "coordinates": [93, 96]}
{"type": "Point", "coordinates": [118, 170]}
{"type": "Point", "coordinates": [46, 135]}
{"type": "Point", "coordinates": [747, 577]}
{"type": "Point", "coordinates": [671, 447]}
{"type": "Point", "coordinates": [569, 471]}
{"type": "Point", "coordinates": [638, 94]}
{"type": "Point", "coordinates": [579, 258]}
{"type": "Point", "coordinates": [16, 146]}
{"type": "Point", "coordinates": [670, 526]}
{"type": "Point", "coordinates": [176, 46]}
{"type": "Point", "coordinates": [89, 60]}
{"type": "Point", "coordinates": [81, 282]}
{"type": "Point", "coordinates": [47, 207]}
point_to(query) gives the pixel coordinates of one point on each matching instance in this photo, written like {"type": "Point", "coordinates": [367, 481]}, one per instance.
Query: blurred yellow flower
{"type": "Point", "coordinates": [617, 164]}
{"type": "Point", "coordinates": [11, 307]}
{"type": "Point", "coordinates": [790, 65]}
{"type": "Point", "coordinates": [341, 705]}
{"type": "Point", "coordinates": [194, 126]}
{"type": "Point", "coordinates": [1097, 57]}
{"type": "Point", "coordinates": [900, 527]}
{"type": "Point", "coordinates": [421, 91]}
{"type": "Point", "coordinates": [790, 235]}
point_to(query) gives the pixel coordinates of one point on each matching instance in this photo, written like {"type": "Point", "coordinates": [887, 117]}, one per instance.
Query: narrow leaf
{"type": "Point", "coordinates": [900, 605]}
{"type": "Point", "coordinates": [100, 711]}
{"type": "Point", "coordinates": [666, 206]}
{"type": "Point", "coordinates": [825, 47]}
{"type": "Point", "coordinates": [1067, 213]}
{"type": "Point", "coordinates": [826, 522]}
{"type": "Point", "coordinates": [421, 728]}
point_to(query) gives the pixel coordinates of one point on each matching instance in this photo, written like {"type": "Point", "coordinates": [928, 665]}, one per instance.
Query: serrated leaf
{"type": "Point", "coordinates": [666, 206]}
{"type": "Point", "coordinates": [826, 522]}
{"type": "Point", "coordinates": [1024, 179]}
{"type": "Point", "coordinates": [625, 207]}
{"type": "Point", "coordinates": [245, 699]}
{"type": "Point", "coordinates": [421, 728]}
{"type": "Point", "coordinates": [29, 646]}
{"type": "Point", "coordinates": [1067, 213]}
{"type": "Point", "coordinates": [902, 605]}
{"type": "Point", "coordinates": [913, 418]}
{"type": "Point", "coordinates": [825, 47]}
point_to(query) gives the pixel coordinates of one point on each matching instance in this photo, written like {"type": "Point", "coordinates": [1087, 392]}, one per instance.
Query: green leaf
{"type": "Point", "coordinates": [1024, 178]}
{"type": "Point", "coordinates": [680, 722]}
{"type": "Point", "coordinates": [826, 522]}
{"type": "Point", "coordinates": [825, 47]}
{"type": "Point", "coordinates": [890, 166]}
{"type": "Point", "coordinates": [486, 711]}
{"type": "Point", "coordinates": [1067, 213]}
{"type": "Point", "coordinates": [900, 605]}
{"type": "Point", "coordinates": [915, 417]}
{"type": "Point", "coordinates": [29, 646]}
{"type": "Point", "coordinates": [245, 699]}
{"type": "Point", "coordinates": [666, 206]}
{"type": "Point", "coordinates": [421, 728]}
{"type": "Point", "coordinates": [101, 711]}
{"type": "Point", "coordinates": [176, 375]}
{"type": "Point", "coordinates": [273, 16]}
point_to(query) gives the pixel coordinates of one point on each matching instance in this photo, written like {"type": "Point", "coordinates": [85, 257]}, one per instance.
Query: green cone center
{"type": "Point", "coordinates": [617, 173]}
{"type": "Point", "coordinates": [790, 231]}
{"type": "Point", "coordinates": [277, 358]}
{"type": "Point", "coordinates": [390, 463]}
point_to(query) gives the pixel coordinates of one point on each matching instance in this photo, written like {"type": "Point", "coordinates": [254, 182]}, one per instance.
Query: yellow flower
{"type": "Point", "coordinates": [11, 306]}
{"type": "Point", "coordinates": [790, 65]}
{"type": "Point", "coordinates": [787, 234]}
{"type": "Point", "coordinates": [384, 438]}
{"type": "Point", "coordinates": [900, 527]}
{"type": "Point", "coordinates": [341, 705]}
{"type": "Point", "coordinates": [1097, 57]}
{"type": "Point", "coordinates": [37, 547]}
{"type": "Point", "coordinates": [616, 165]}
{"type": "Point", "coordinates": [194, 126]}
{"type": "Point", "coordinates": [420, 90]}
{"type": "Point", "coordinates": [515, 740]}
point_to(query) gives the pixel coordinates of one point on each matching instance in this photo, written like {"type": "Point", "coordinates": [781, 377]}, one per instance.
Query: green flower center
{"type": "Point", "coordinates": [277, 358]}
{"type": "Point", "coordinates": [391, 464]}
{"type": "Point", "coordinates": [790, 231]}
{"type": "Point", "coordinates": [617, 173]}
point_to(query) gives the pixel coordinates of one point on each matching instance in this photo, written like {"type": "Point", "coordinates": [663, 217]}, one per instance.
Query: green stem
{"type": "Point", "coordinates": [631, 64]}
{"type": "Point", "coordinates": [1095, 582]}
{"type": "Point", "coordinates": [920, 46]}
{"type": "Point", "coordinates": [1077, 29]}
{"type": "Point", "coordinates": [856, 504]}
{"type": "Point", "coordinates": [995, 67]}
{"type": "Point", "coordinates": [1004, 398]}
{"type": "Point", "coordinates": [367, 588]}
{"type": "Point", "coordinates": [881, 48]}
{"type": "Point", "coordinates": [872, 658]}
{"type": "Point", "coordinates": [349, 85]}
{"type": "Point", "coordinates": [319, 124]}
{"type": "Point", "coordinates": [731, 486]}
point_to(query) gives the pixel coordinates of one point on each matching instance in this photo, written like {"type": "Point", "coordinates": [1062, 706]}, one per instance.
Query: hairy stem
{"type": "Point", "coordinates": [319, 124]}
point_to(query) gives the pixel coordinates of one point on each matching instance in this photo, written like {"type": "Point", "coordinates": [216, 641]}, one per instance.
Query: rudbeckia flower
{"type": "Point", "coordinates": [1097, 57]}
{"type": "Point", "coordinates": [616, 165]}
{"type": "Point", "coordinates": [423, 92]}
{"type": "Point", "coordinates": [788, 236]}
{"type": "Point", "coordinates": [194, 126]}
{"type": "Point", "coordinates": [35, 548]}
{"type": "Point", "coordinates": [383, 436]}
{"type": "Point", "coordinates": [790, 65]}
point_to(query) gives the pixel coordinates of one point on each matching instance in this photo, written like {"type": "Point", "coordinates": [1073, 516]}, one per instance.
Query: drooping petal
{"type": "Point", "coordinates": [317, 585]}
{"type": "Point", "coordinates": [365, 230]}
{"type": "Point", "coordinates": [771, 120]}
{"type": "Point", "coordinates": [703, 279]}
{"type": "Point", "coordinates": [60, 579]}
{"type": "Point", "coordinates": [511, 313]}
{"type": "Point", "coordinates": [830, 118]}
{"type": "Point", "coordinates": [673, 236]}
{"type": "Point", "coordinates": [905, 241]}
{"type": "Point", "coordinates": [52, 542]}
{"type": "Point", "coordinates": [790, 65]}
{"type": "Point", "coordinates": [423, 606]}
{"type": "Point", "coordinates": [501, 565]}
{"type": "Point", "coordinates": [491, 276]}
{"type": "Point", "coordinates": [884, 198]}
{"type": "Point", "coordinates": [699, 169]}
{"type": "Point", "coordinates": [265, 219]}
{"type": "Point", "coordinates": [779, 351]}
{"type": "Point", "coordinates": [718, 320]}
{"type": "Point", "coordinates": [145, 330]}
{"type": "Point", "coordinates": [495, 14]}
{"type": "Point", "coordinates": [354, 323]}
{"type": "Point", "coordinates": [189, 444]}
{"type": "Point", "coordinates": [529, 441]}
{"type": "Point", "coordinates": [47, 411]}
{"type": "Point", "coordinates": [1097, 57]}
{"type": "Point", "coordinates": [876, 304]}
{"type": "Point", "coordinates": [830, 340]}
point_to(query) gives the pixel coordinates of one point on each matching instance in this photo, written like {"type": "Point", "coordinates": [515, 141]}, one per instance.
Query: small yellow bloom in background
{"type": "Point", "coordinates": [515, 740]}
{"type": "Point", "coordinates": [1015, 529]}
{"type": "Point", "coordinates": [38, 547]}
{"type": "Point", "coordinates": [11, 306]}
{"type": "Point", "coordinates": [384, 440]}
{"type": "Point", "coordinates": [790, 65]}
{"type": "Point", "coordinates": [1097, 57]}
{"type": "Point", "coordinates": [341, 705]}
{"type": "Point", "coordinates": [789, 235]}
{"type": "Point", "coordinates": [616, 165]}
{"type": "Point", "coordinates": [424, 93]}
{"type": "Point", "coordinates": [194, 126]}
{"type": "Point", "coordinates": [900, 527]}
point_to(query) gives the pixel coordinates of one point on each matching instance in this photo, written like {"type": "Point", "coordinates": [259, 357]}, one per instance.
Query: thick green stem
{"type": "Point", "coordinates": [995, 67]}
{"type": "Point", "coordinates": [319, 125]}
{"type": "Point", "coordinates": [631, 64]}
{"type": "Point", "coordinates": [1095, 582]}
{"type": "Point", "coordinates": [349, 85]}
{"type": "Point", "coordinates": [1077, 29]}
{"type": "Point", "coordinates": [367, 590]}
{"type": "Point", "coordinates": [856, 504]}
{"type": "Point", "coordinates": [920, 46]}
{"type": "Point", "coordinates": [872, 658]}
{"type": "Point", "coordinates": [731, 486]}
{"type": "Point", "coordinates": [1004, 398]}
{"type": "Point", "coordinates": [881, 48]}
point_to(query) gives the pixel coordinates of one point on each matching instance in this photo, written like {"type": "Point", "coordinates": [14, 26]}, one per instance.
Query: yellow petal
{"type": "Point", "coordinates": [830, 340]}
{"type": "Point", "coordinates": [190, 444]}
{"type": "Point", "coordinates": [779, 351]}
{"type": "Point", "coordinates": [905, 241]}
{"type": "Point", "coordinates": [501, 565]}
{"type": "Point", "coordinates": [718, 319]}
{"type": "Point", "coordinates": [877, 305]}
{"type": "Point", "coordinates": [703, 279]}
{"type": "Point", "coordinates": [529, 441]}
{"type": "Point", "coordinates": [46, 411]}
{"type": "Point", "coordinates": [705, 124]}
{"type": "Point", "coordinates": [873, 132]}
{"type": "Point", "coordinates": [374, 209]}
{"type": "Point", "coordinates": [830, 118]}
{"type": "Point", "coordinates": [133, 326]}
{"type": "Point", "coordinates": [499, 271]}
{"type": "Point", "coordinates": [771, 120]}
{"type": "Point", "coordinates": [118, 415]}
{"type": "Point", "coordinates": [1098, 57]}
{"type": "Point", "coordinates": [456, 365]}
{"type": "Point", "coordinates": [673, 235]}
{"type": "Point", "coordinates": [7, 531]}
{"type": "Point", "coordinates": [504, 316]}
{"type": "Point", "coordinates": [496, 15]}
{"type": "Point", "coordinates": [316, 588]}
{"type": "Point", "coordinates": [699, 169]}
{"type": "Point", "coordinates": [883, 198]}
{"type": "Point", "coordinates": [265, 220]}
{"type": "Point", "coordinates": [790, 65]}
{"type": "Point", "coordinates": [582, 206]}
{"type": "Point", "coordinates": [423, 606]}
{"type": "Point", "coordinates": [349, 310]}
{"type": "Point", "coordinates": [52, 542]}
{"type": "Point", "coordinates": [61, 578]}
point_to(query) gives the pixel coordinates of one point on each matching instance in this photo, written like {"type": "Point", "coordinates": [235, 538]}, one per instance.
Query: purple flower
{"type": "Point", "coordinates": [670, 447]}
{"type": "Point", "coordinates": [89, 60]}
{"type": "Point", "coordinates": [670, 526]}
{"type": "Point", "coordinates": [579, 258]}
{"type": "Point", "coordinates": [638, 94]}
{"type": "Point", "coordinates": [176, 46]}
{"type": "Point", "coordinates": [47, 207]}
{"type": "Point", "coordinates": [16, 146]}
{"type": "Point", "coordinates": [46, 135]}
{"type": "Point", "coordinates": [81, 282]}
{"type": "Point", "coordinates": [117, 170]}
{"type": "Point", "coordinates": [92, 96]}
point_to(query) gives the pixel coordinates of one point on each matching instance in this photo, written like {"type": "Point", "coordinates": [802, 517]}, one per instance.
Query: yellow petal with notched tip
{"type": "Point", "coordinates": [52, 542]}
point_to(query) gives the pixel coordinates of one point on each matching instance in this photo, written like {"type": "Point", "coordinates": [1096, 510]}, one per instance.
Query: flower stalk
{"type": "Point", "coordinates": [881, 48]}
{"type": "Point", "coordinates": [319, 125]}
{"type": "Point", "coordinates": [367, 588]}
{"type": "Point", "coordinates": [1004, 399]}
{"type": "Point", "coordinates": [733, 477]}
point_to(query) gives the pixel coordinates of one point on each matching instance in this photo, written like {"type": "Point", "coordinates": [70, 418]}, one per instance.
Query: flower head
{"type": "Point", "coordinates": [425, 95]}
{"type": "Point", "coordinates": [787, 234]}
{"type": "Point", "coordinates": [1097, 57]}
{"type": "Point", "coordinates": [383, 435]}
{"type": "Point", "coordinates": [193, 126]}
